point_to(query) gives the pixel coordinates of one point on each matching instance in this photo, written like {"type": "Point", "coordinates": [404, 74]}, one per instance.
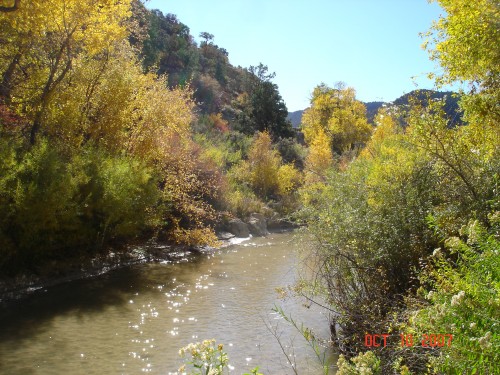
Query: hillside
{"type": "Point", "coordinates": [295, 117]}
{"type": "Point", "coordinates": [246, 99]}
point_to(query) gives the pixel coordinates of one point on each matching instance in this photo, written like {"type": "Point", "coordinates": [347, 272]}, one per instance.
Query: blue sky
{"type": "Point", "coordinates": [370, 45]}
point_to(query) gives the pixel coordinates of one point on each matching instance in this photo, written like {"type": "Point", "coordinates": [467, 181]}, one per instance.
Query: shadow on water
{"type": "Point", "coordinates": [32, 315]}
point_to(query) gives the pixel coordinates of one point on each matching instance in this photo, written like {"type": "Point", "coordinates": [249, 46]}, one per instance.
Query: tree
{"type": "Point", "coordinates": [465, 44]}
{"type": "Point", "coordinates": [320, 157]}
{"type": "Point", "coordinates": [264, 163]}
{"type": "Point", "coordinates": [337, 113]}
{"type": "Point", "coordinates": [465, 41]}
{"type": "Point", "coordinates": [263, 108]}
{"type": "Point", "coordinates": [386, 125]}
{"type": "Point", "coordinates": [208, 38]}
{"type": "Point", "coordinates": [46, 36]}
{"type": "Point", "coordinates": [260, 73]}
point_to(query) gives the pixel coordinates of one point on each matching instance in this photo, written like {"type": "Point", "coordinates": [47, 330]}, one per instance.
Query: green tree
{"type": "Point", "coordinates": [208, 38]}
{"type": "Point", "coordinates": [263, 108]}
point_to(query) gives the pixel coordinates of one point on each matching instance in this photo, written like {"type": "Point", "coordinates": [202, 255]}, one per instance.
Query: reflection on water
{"type": "Point", "coordinates": [135, 320]}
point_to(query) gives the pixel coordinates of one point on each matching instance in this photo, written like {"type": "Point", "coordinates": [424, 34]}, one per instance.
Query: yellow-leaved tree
{"type": "Point", "coordinates": [338, 113]}
{"type": "Point", "coordinates": [42, 40]}
{"type": "Point", "coordinates": [264, 163]}
{"type": "Point", "coordinates": [386, 125]}
{"type": "Point", "coordinates": [320, 157]}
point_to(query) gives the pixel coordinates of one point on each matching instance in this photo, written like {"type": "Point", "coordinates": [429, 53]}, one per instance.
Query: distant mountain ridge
{"type": "Point", "coordinates": [451, 105]}
{"type": "Point", "coordinates": [295, 117]}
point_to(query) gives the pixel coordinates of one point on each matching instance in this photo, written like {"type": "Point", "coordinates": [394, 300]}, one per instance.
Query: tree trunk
{"type": "Point", "coordinates": [52, 83]}
{"type": "Point", "coordinates": [6, 85]}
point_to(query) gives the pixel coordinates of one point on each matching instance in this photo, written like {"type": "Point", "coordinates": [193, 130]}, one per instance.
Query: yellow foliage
{"type": "Point", "coordinates": [263, 173]}
{"type": "Point", "coordinates": [289, 179]}
{"type": "Point", "coordinates": [320, 157]}
{"type": "Point", "coordinates": [243, 204]}
{"type": "Point", "coordinates": [94, 25]}
{"type": "Point", "coordinates": [218, 122]}
{"type": "Point", "coordinates": [111, 102]}
{"type": "Point", "coordinates": [74, 77]}
{"type": "Point", "coordinates": [196, 237]}
{"type": "Point", "coordinates": [386, 126]}
{"type": "Point", "coordinates": [161, 116]}
{"type": "Point", "coordinates": [44, 39]}
{"type": "Point", "coordinates": [339, 115]}
{"type": "Point", "coordinates": [264, 163]}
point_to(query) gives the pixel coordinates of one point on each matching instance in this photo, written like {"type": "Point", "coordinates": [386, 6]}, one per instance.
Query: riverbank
{"type": "Point", "coordinates": [148, 251]}
{"type": "Point", "coordinates": [59, 272]}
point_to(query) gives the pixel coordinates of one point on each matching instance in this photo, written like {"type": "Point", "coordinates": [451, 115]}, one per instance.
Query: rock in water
{"type": "Point", "coordinates": [257, 225]}
{"type": "Point", "coordinates": [239, 228]}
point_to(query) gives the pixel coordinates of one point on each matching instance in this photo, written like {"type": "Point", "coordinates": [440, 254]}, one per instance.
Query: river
{"type": "Point", "coordinates": [134, 320]}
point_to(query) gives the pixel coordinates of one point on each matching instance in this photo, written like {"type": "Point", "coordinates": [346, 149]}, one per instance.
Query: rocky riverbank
{"type": "Point", "coordinates": [14, 288]}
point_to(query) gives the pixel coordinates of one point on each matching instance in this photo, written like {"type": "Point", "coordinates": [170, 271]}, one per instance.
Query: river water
{"type": "Point", "coordinates": [135, 320]}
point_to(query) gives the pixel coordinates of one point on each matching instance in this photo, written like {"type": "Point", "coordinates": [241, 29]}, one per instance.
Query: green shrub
{"type": "Point", "coordinates": [56, 206]}
{"type": "Point", "coordinates": [36, 192]}
{"type": "Point", "coordinates": [464, 301]}
{"type": "Point", "coordinates": [116, 194]}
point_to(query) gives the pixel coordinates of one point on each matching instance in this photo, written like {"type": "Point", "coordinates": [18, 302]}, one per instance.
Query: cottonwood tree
{"type": "Point", "coordinates": [337, 113]}
{"type": "Point", "coordinates": [42, 40]}
{"type": "Point", "coordinates": [465, 44]}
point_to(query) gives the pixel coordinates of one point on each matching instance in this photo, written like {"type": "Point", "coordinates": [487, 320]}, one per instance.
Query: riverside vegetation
{"type": "Point", "coordinates": [116, 126]}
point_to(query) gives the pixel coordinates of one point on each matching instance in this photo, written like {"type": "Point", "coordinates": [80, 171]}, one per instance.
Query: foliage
{"type": "Point", "coordinates": [243, 202]}
{"type": "Point", "coordinates": [292, 152]}
{"type": "Point", "coordinates": [464, 300]}
{"type": "Point", "coordinates": [464, 44]}
{"type": "Point", "coordinates": [95, 150]}
{"type": "Point", "coordinates": [207, 359]}
{"type": "Point", "coordinates": [414, 189]}
{"type": "Point", "coordinates": [42, 41]}
{"type": "Point", "coordinates": [261, 107]}
{"type": "Point", "coordinates": [319, 159]}
{"type": "Point", "coordinates": [289, 179]}
{"type": "Point", "coordinates": [462, 41]}
{"type": "Point", "coordinates": [465, 160]}
{"type": "Point", "coordinates": [191, 186]}
{"type": "Point", "coordinates": [386, 125]}
{"type": "Point", "coordinates": [364, 363]}
{"type": "Point", "coordinates": [263, 164]}
{"type": "Point", "coordinates": [264, 172]}
{"type": "Point", "coordinates": [336, 113]}
{"type": "Point", "coordinates": [56, 207]}
{"type": "Point", "coordinates": [393, 206]}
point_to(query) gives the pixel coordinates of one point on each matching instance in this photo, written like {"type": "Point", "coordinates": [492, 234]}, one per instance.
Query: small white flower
{"type": "Point", "coordinates": [473, 325]}
{"type": "Point", "coordinates": [456, 299]}
{"type": "Point", "coordinates": [437, 252]}
{"type": "Point", "coordinates": [484, 341]}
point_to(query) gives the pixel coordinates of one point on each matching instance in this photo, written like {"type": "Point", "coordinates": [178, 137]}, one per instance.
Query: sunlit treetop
{"type": "Point", "coordinates": [97, 24]}
{"type": "Point", "coordinates": [466, 41]}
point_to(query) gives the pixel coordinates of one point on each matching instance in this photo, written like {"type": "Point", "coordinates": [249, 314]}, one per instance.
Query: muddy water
{"type": "Point", "coordinates": [134, 320]}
